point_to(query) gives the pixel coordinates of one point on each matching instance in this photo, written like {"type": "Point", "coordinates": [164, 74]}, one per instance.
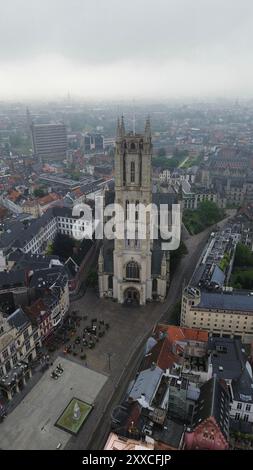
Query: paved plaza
{"type": "Point", "coordinates": [104, 372]}
{"type": "Point", "coordinates": [31, 425]}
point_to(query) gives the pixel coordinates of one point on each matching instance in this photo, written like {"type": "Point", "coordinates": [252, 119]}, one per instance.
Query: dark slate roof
{"type": "Point", "coordinates": [228, 354]}
{"type": "Point", "coordinates": [170, 433]}
{"type": "Point", "coordinates": [109, 197]}
{"type": "Point", "coordinates": [19, 234]}
{"type": "Point", "coordinates": [164, 198]}
{"type": "Point", "coordinates": [71, 267]}
{"type": "Point", "coordinates": [45, 278]}
{"type": "Point", "coordinates": [9, 236]}
{"type": "Point", "coordinates": [197, 275]}
{"type": "Point", "coordinates": [30, 261]}
{"type": "Point", "coordinates": [213, 402]}
{"type": "Point", "coordinates": [12, 278]}
{"type": "Point", "coordinates": [19, 319]}
{"type": "Point", "coordinates": [17, 255]}
{"type": "Point", "coordinates": [61, 211]}
{"type": "Point", "coordinates": [226, 301]}
{"type": "Point", "coordinates": [243, 386]}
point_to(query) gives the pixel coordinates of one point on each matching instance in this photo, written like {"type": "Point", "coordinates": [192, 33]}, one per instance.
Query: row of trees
{"type": "Point", "coordinates": [242, 276]}
{"type": "Point", "coordinates": [66, 247]}
{"type": "Point", "coordinates": [168, 163]}
{"type": "Point", "coordinates": [243, 256]}
{"type": "Point", "coordinates": [207, 214]}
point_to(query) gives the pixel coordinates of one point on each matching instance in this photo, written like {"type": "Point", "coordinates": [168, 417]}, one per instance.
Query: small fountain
{"type": "Point", "coordinates": [76, 412]}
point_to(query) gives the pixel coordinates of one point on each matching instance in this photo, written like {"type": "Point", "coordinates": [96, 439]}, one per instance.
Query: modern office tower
{"type": "Point", "coordinates": [49, 142]}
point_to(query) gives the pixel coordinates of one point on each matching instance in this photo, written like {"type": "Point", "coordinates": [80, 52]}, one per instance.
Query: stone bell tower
{"type": "Point", "coordinates": [132, 257]}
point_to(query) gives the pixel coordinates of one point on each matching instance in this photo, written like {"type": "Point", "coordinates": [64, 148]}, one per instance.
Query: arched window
{"type": "Point", "coordinates": [132, 172]}
{"type": "Point", "coordinates": [124, 168]}
{"type": "Point", "coordinates": [132, 146]}
{"type": "Point", "coordinates": [136, 210]}
{"type": "Point", "coordinates": [110, 282]}
{"type": "Point", "coordinates": [132, 270]}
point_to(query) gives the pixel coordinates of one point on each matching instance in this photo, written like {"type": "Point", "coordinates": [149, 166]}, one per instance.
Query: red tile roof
{"type": "Point", "coordinates": [36, 308]}
{"type": "Point", "coordinates": [178, 333]}
{"type": "Point", "coordinates": [14, 195]}
{"type": "Point", "coordinates": [162, 355]}
{"type": "Point", "coordinates": [51, 197]}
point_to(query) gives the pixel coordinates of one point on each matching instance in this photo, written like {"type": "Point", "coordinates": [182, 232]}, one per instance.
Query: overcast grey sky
{"type": "Point", "coordinates": [126, 48]}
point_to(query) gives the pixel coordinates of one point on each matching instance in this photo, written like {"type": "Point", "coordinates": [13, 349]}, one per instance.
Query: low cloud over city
{"type": "Point", "coordinates": [135, 49]}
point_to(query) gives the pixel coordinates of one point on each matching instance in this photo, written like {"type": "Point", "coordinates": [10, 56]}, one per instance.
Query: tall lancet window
{"type": "Point", "coordinates": [132, 172]}
{"type": "Point", "coordinates": [132, 270]}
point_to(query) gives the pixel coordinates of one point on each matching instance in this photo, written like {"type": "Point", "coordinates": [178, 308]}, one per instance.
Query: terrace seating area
{"type": "Point", "coordinates": [77, 334]}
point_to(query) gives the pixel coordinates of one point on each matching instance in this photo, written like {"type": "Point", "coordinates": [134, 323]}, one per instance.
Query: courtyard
{"type": "Point", "coordinates": [31, 425]}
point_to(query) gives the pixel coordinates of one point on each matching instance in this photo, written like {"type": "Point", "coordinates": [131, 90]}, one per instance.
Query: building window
{"type": "Point", "coordinates": [239, 406]}
{"type": "Point", "coordinates": [127, 203]}
{"type": "Point", "coordinates": [26, 334]}
{"type": "Point", "coordinates": [5, 354]}
{"type": "Point", "coordinates": [137, 210]}
{"type": "Point", "coordinates": [237, 416]}
{"type": "Point", "coordinates": [14, 359]}
{"type": "Point", "coordinates": [246, 418]}
{"type": "Point", "coordinates": [27, 345]}
{"type": "Point", "coordinates": [248, 407]}
{"type": "Point", "coordinates": [110, 282]}
{"type": "Point", "coordinates": [154, 285]}
{"type": "Point", "coordinates": [132, 172]}
{"type": "Point", "coordinates": [132, 270]}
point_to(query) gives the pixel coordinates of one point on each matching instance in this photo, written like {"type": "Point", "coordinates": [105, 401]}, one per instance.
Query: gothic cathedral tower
{"type": "Point", "coordinates": [132, 280]}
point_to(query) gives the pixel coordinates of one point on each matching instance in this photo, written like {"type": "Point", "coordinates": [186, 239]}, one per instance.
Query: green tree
{"type": "Point", "coordinates": [243, 256]}
{"type": "Point", "coordinates": [62, 246]}
{"type": "Point", "coordinates": [92, 278]}
{"type": "Point", "coordinates": [49, 250]}
{"type": "Point", "coordinates": [208, 213]}
{"type": "Point", "coordinates": [176, 255]}
{"type": "Point", "coordinates": [161, 152]}
{"type": "Point", "coordinates": [39, 192]}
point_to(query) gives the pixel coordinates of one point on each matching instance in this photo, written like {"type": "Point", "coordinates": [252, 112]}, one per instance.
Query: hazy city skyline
{"type": "Point", "coordinates": [135, 49]}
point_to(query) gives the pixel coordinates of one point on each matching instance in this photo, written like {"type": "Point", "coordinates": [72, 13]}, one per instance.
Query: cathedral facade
{"type": "Point", "coordinates": [133, 270]}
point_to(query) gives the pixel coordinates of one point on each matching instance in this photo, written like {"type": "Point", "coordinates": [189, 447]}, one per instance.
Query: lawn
{"type": "Point", "coordinates": [66, 420]}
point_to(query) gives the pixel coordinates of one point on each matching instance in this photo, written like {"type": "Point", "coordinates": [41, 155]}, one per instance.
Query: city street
{"type": "Point", "coordinates": [129, 329]}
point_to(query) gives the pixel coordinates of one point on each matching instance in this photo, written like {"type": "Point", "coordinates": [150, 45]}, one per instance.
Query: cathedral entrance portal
{"type": "Point", "coordinates": [132, 296]}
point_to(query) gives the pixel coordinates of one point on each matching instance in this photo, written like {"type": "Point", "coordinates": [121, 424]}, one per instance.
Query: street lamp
{"type": "Point", "coordinates": [109, 355]}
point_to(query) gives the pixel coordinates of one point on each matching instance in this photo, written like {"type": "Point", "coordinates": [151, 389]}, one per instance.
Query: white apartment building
{"type": "Point", "coordinates": [228, 314]}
